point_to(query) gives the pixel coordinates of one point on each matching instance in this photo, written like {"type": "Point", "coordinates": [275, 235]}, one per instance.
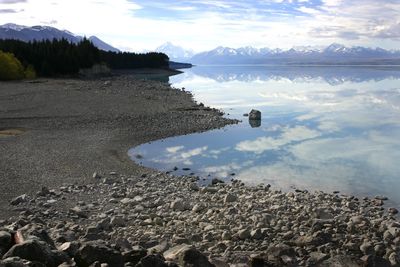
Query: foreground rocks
{"type": "Point", "coordinates": [162, 220]}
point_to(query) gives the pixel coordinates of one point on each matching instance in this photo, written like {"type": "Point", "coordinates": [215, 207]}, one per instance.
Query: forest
{"type": "Point", "coordinates": [60, 57]}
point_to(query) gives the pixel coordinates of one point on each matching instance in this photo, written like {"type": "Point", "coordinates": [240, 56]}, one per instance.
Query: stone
{"type": "Point", "coordinates": [39, 251]}
{"type": "Point", "coordinates": [244, 234]}
{"type": "Point", "coordinates": [373, 260]}
{"type": "Point", "coordinates": [20, 199]}
{"type": "Point", "coordinates": [393, 211]}
{"type": "Point", "coordinates": [276, 251]}
{"type": "Point", "coordinates": [71, 248]}
{"type": "Point", "coordinates": [18, 262]}
{"type": "Point", "coordinates": [79, 212]}
{"type": "Point", "coordinates": [179, 205]}
{"type": "Point", "coordinates": [93, 251]}
{"type": "Point", "coordinates": [96, 175]}
{"type": "Point", "coordinates": [198, 207]}
{"type": "Point", "coordinates": [367, 248]}
{"type": "Point", "coordinates": [118, 221]}
{"type": "Point", "coordinates": [257, 234]}
{"type": "Point", "coordinates": [229, 198]}
{"type": "Point", "coordinates": [317, 257]}
{"type": "Point", "coordinates": [255, 115]}
{"type": "Point", "coordinates": [226, 236]}
{"type": "Point", "coordinates": [154, 260]}
{"type": "Point", "coordinates": [187, 255]}
{"type": "Point", "coordinates": [5, 241]}
{"type": "Point", "coordinates": [340, 261]}
{"type": "Point", "coordinates": [134, 256]}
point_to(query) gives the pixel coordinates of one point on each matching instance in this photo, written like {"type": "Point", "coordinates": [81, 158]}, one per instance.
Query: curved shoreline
{"type": "Point", "coordinates": [76, 127]}
{"type": "Point", "coordinates": [124, 213]}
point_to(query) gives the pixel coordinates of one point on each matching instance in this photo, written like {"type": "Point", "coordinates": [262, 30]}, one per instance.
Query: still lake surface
{"type": "Point", "coordinates": [323, 128]}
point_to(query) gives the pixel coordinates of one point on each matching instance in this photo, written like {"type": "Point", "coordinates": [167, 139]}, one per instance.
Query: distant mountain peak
{"type": "Point", "coordinates": [40, 32]}
{"type": "Point", "coordinates": [175, 52]}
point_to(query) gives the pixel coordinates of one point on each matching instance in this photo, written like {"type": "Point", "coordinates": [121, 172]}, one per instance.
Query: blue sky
{"type": "Point", "coordinates": [136, 25]}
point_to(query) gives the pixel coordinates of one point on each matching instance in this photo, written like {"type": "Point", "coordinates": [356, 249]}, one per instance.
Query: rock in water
{"type": "Point", "coordinates": [255, 115]}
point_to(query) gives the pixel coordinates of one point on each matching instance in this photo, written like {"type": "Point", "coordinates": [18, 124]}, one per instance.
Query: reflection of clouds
{"type": "Point", "coordinates": [289, 135]}
{"type": "Point", "coordinates": [176, 155]}
{"type": "Point", "coordinates": [174, 149]}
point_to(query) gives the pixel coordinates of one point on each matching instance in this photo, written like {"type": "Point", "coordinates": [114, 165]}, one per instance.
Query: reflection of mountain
{"type": "Point", "coordinates": [331, 75]}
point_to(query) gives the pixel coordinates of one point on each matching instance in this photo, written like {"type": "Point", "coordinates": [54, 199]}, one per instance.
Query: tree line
{"type": "Point", "coordinates": [61, 57]}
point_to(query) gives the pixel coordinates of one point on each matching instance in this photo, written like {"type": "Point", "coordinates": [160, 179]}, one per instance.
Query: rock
{"type": "Point", "coordinates": [18, 262]}
{"type": "Point", "coordinates": [39, 251]}
{"type": "Point", "coordinates": [96, 175]}
{"type": "Point", "coordinates": [373, 260]}
{"type": "Point", "coordinates": [340, 261]}
{"type": "Point", "coordinates": [255, 115]}
{"type": "Point", "coordinates": [276, 251]}
{"type": "Point", "coordinates": [154, 260]}
{"type": "Point", "coordinates": [393, 210]}
{"type": "Point", "coordinates": [134, 256]}
{"type": "Point", "coordinates": [198, 207]}
{"type": "Point", "coordinates": [118, 221]}
{"type": "Point", "coordinates": [230, 198]}
{"type": "Point", "coordinates": [244, 234]}
{"type": "Point", "coordinates": [93, 251]}
{"type": "Point", "coordinates": [394, 259]}
{"type": "Point", "coordinates": [5, 241]}
{"type": "Point", "coordinates": [20, 199]}
{"type": "Point", "coordinates": [257, 234]}
{"type": "Point", "coordinates": [367, 248]}
{"type": "Point", "coordinates": [226, 236]}
{"type": "Point", "coordinates": [317, 257]}
{"type": "Point", "coordinates": [79, 212]}
{"type": "Point", "coordinates": [187, 255]}
{"type": "Point", "coordinates": [215, 181]}
{"type": "Point", "coordinates": [160, 248]}
{"type": "Point", "coordinates": [179, 205]}
{"type": "Point", "coordinates": [71, 248]}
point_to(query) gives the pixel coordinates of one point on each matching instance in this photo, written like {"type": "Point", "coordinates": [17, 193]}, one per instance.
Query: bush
{"type": "Point", "coordinates": [30, 72]}
{"type": "Point", "coordinates": [10, 67]}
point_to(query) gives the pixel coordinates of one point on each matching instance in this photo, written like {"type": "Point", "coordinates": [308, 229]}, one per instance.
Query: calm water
{"type": "Point", "coordinates": [322, 128]}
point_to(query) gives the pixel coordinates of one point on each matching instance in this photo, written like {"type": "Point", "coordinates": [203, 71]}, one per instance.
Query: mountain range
{"type": "Point", "coordinates": [26, 34]}
{"type": "Point", "coordinates": [334, 54]}
{"type": "Point", "coordinates": [329, 55]}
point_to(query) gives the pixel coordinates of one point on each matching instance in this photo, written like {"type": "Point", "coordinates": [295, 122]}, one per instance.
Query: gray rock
{"type": "Point", "coordinates": [187, 255]}
{"type": "Point", "coordinates": [255, 115]}
{"type": "Point", "coordinates": [341, 261]}
{"type": "Point", "coordinates": [179, 205]}
{"type": "Point", "coordinates": [134, 256]}
{"type": "Point", "coordinates": [93, 251]}
{"type": "Point", "coordinates": [317, 257]}
{"type": "Point", "coordinates": [154, 260]}
{"type": "Point", "coordinates": [18, 262]}
{"type": "Point", "coordinates": [257, 234]}
{"type": "Point", "coordinates": [71, 248]}
{"type": "Point", "coordinates": [39, 251]}
{"type": "Point", "coordinates": [244, 234]}
{"type": "Point", "coordinates": [230, 198]}
{"type": "Point", "coordinates": [20, 199]}
{"type": "Point", "coordinates": [5, 241]}
{"type": "Point", "coordinates": [367, 248]}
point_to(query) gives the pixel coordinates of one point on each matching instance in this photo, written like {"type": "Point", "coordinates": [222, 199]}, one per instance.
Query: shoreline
{"type": "Point", "coordinates": [75, 127]}
{"type": "Point", "coordinates": [84, 192]}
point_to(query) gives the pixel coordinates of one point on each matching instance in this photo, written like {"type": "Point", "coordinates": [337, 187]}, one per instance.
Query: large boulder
{"type": "Point", "coordinates": [93, 251]}
{"type": "Point", "coordinates": [255, 115]}
{"type": "Point", "coordinates": [37, 251]}
{"type": "Point", "coordinates": [187, 255]}
{"type": "Point", "coordinates": [154, 260]}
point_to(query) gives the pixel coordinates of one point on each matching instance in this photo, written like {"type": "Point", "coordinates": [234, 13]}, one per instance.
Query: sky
{"type": "Point", "coordinates": [137, 25]}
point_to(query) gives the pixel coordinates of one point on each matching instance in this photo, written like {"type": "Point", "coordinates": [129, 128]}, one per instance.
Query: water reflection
{"type": "Point", "coordinates": [314, 134]}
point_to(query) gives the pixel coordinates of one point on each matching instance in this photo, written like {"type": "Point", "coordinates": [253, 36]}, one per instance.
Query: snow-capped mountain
{"type": "Point", "coordinates": [332, 54]}
{"type": "Point", "coordinates": [174, 52]}
{"type": "Point", "coordinates": [27, 34]}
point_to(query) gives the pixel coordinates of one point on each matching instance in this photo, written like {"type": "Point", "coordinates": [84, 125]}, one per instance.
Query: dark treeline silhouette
{"type": "Point", "coordinates": [60, 57]}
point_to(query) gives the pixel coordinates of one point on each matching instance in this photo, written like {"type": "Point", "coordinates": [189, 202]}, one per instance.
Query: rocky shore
{"type": "Point", "coordinates": [63, 143]}
{"type": "Point", "coordinates": [163, 220]}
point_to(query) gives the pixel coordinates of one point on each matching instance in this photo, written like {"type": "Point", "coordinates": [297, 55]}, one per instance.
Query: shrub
{"type": "Point", "coordinates": [30, 72]}
{"type": "Point", "coordinates": [10, 67]}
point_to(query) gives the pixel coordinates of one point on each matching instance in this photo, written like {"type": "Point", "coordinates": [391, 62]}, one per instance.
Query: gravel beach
{"type": "Point", "coordinates": [66, 129]}
{"type": "Point", "coordinates": [72, 197]}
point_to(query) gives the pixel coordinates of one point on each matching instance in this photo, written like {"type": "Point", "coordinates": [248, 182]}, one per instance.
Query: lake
{"type": "Point", "coordinates": [322, 128]}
